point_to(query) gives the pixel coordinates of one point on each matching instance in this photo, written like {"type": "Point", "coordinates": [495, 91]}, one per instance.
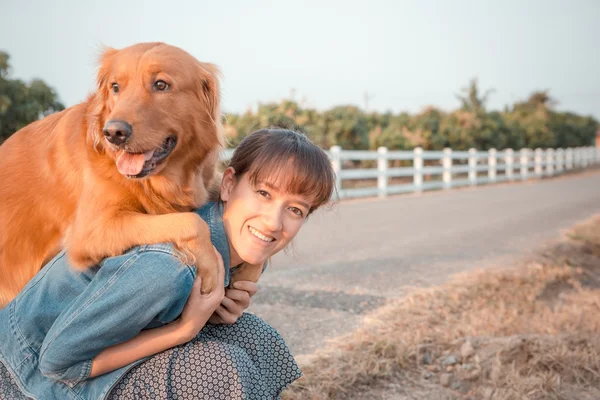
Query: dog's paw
{"type": "Point", "coordinates": [209, 279]}
{"type": "Point", "coordinates": [196, 252]}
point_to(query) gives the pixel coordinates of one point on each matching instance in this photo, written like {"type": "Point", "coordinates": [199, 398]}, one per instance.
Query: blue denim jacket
{"type": "Point", "coordinates": [63, 318]}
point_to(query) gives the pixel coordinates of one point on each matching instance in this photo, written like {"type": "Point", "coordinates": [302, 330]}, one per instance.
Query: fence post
{"type": "Point", "coordinates": [382, 167]}
{"type": "Point", "coordinates": [569, 159]}
{"type": "Point", "coordinates": [588, 157]}
{"type": "Point", "coordinates": [538, 162]}
{"type": "Point", "coordinates": [549, 162]}
{"type": "Point", "coordinates": [336, 163]}
{"type": "Point", "coordinates": [447, 165]}
{"type": "Point", "coordinates": [560, 160]}
{"type": "Point", "coordinates": [418, 169]}
{"type": "Point", "coordinates": [508, 159]}
{"type": "Point", "coordinates": [472, 167]}
{"type": "Point", "coordinates": [492, 165]}
{"type": "Point", "coordinates": [524, 161]}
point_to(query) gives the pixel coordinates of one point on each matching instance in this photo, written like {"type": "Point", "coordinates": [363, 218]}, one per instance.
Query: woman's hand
{"type": "Point", "coordinates": [200, 307]}
{"type": "Point", "coordinates": [234, 303]}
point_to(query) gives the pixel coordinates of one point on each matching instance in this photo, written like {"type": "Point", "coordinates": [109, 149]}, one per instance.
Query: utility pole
{"type": "Point", "coordinates": [368, 97]}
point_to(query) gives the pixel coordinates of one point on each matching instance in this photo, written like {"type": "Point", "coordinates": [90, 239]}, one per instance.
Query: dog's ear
{"type": "Point", "coordinates": [211, 95]}
{"type": "Point", "coordinates": [97, 106]}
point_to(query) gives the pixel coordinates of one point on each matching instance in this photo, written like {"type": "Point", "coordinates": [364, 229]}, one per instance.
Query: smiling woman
{"type": "Point", "coordinates": [273, 182]}
{"type": "Point", "coordinates": [95, 334]}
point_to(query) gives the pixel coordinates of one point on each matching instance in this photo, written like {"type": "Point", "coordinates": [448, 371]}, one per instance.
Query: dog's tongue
{"type": "Point", "coordinates": [132, 164]}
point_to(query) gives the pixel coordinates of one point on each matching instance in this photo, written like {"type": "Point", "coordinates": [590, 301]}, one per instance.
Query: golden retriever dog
{"type": "Point", "coordinates": [121, 169]}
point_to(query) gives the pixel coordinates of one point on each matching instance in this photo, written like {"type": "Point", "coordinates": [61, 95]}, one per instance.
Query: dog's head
{"type": "Point", "coordinates": [156, 109]}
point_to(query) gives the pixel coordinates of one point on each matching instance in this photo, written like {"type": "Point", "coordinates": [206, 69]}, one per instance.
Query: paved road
{"type": "Point", "coordinates": [351, 259]}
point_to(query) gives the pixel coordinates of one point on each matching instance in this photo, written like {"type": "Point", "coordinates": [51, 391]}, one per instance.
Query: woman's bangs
{"type": "Point", "coordinates": [291, 174]}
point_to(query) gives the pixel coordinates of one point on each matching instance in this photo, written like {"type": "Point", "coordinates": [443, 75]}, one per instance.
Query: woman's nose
{"type": "Point", "coordinates": [273, 219]}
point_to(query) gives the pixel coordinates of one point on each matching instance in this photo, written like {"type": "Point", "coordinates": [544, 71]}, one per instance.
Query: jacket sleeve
{"type": "Point", "coordinates": [126, 294]}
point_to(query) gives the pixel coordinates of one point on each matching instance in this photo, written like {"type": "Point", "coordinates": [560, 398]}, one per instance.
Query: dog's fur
{"type": "Point", "coordinates": [60, 186]}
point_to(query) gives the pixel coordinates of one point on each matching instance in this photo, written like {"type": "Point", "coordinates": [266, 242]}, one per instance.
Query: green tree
{"type": "Point", "coordinates": [471, 100]}
{"type": "Point", "coordinates": [532, 123]}
{"type": "Point", "coordinates": [396, 134]}
{"type": "Point", "coordinates": [22, 103]}
{"type": "Point", "coordinates": [425, 128]}
{"type": "Point", "coordinates": [533, 118]}
{"type": "Point", "coordinates": [347, 127]}
{"type": "Point", "coordinates": [571, 130]}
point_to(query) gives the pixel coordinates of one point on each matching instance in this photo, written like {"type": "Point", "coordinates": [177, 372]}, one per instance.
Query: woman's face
{"type": "Point", "coordinates": [260, 219]}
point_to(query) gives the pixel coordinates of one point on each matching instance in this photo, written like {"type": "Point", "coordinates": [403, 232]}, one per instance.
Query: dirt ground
{"type": "Point", "coordinates": [523, 332]}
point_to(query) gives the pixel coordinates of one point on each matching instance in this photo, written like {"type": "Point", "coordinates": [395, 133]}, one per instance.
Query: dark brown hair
{"type": "Point", "coordinates": [288, 160]}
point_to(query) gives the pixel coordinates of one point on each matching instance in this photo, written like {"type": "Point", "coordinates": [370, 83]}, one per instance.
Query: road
{"type": "Point", "coordinates": [353, 258]}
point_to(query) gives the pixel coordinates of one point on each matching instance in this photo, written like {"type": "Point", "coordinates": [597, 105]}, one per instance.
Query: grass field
{"type": "Point", "coordinates": [524, 332]}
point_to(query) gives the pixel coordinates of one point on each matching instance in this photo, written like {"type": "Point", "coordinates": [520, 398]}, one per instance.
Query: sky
{"type": "Point", "coordinates": [397, 55]}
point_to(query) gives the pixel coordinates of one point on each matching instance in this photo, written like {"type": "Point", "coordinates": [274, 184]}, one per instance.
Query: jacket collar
{"type": "Point", "coordinates": [212, 213]}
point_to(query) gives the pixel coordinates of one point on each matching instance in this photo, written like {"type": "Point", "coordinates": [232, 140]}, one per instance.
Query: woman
{"type": "Point", "coordinates": [84, 335]}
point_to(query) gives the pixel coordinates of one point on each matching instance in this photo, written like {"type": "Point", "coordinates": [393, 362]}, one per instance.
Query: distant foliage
{"type": "Point", "coordinates": [532, 123]}
{"type": "Point", "coordinates": [22, 103]}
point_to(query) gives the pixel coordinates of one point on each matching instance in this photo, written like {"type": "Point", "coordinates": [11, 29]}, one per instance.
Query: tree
{"type": "Point", "coordinates": [347, 126]}
{"type": "Point", "coordinates": [471, 100]}
{"type": "Point", "coordinates": [533, 117]}
{"type": "Point", "coordinates": [21, 103]}
{"type": "Point", "coordinates": [425, 128]}
{"type": "Point", "coordinates": [571, 130]}
{"type": "Point", "coordinates": [531, 123]}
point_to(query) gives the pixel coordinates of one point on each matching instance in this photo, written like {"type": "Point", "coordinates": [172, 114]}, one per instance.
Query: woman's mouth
{"type": "Point", "coordinates": [139, 165]}
{"type": "Point", "coordinates": [261, 236]}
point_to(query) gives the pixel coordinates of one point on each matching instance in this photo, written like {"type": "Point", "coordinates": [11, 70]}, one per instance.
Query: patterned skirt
{"type": "Point", "coordinates": [246, 360]}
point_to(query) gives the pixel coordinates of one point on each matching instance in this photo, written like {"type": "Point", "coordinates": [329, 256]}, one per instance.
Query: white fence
{"type": "Point", "coordinates": [451, 168]}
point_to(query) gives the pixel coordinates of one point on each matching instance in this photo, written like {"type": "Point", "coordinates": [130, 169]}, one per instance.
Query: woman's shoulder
{"type": "Point", "coordinates": [151, 261]}
{"type": "Point", "coordinates": [159, 248]}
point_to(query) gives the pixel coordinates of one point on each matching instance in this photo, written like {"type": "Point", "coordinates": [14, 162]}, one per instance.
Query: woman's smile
{"type": "Point", "coordinates": [262, 237]}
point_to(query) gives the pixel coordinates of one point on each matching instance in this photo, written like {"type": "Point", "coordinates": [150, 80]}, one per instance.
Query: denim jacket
{"type": "Point", "coordinates": [63, 318]}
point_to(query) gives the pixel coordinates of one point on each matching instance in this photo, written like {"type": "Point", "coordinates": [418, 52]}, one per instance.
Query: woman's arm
{"type": "Point", "coordinates": [147, 343]}
{"type": "Point", "coordinates": [125, 296]}
{"type": "Point", "coordinates": [195, 314]}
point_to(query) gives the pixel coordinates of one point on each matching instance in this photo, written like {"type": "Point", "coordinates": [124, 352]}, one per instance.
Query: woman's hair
{"type": "Point", "coordinates": [289, 161]}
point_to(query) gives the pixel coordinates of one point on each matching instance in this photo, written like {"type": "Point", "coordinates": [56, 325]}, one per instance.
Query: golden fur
{"type": "Point", "coordinates": [59, 184]}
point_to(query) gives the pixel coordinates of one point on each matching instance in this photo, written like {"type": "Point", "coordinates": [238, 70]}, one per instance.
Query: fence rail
{"type": "Point", "coordinates": [430, 170]}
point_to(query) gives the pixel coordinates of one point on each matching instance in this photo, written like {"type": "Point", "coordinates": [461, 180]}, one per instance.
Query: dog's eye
{"type": "Point", "coordinates": [161, 85]}
{"type": "Point", "coordinates": [115, 87]}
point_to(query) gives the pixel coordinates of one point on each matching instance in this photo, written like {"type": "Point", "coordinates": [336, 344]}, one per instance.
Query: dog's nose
{"type": "Point", "coordinates": [117, 132]}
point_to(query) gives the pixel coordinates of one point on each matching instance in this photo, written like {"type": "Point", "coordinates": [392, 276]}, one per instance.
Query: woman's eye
{"type": "Point", "coordinates": [161, 85]}
{"type": "Point", "coordinates": [263, 193]}
{"type": "Point", "coordinates": [297, 211]}
{"type": "Point", "coordinates": [115, 87]}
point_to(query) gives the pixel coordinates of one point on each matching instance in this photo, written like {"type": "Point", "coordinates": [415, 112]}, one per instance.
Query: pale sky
{"type": "Point", "coordinates": [403, 54]}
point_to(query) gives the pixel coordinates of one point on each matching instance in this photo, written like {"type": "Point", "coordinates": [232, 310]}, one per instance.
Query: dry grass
{"type": "Point", "coordinates": [526, 333]}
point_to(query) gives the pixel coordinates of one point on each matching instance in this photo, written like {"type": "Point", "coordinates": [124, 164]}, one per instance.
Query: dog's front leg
{"type": "Point", "coordinates": [111, 233]}
{"type": "Point", "coordinates": [247, 272]}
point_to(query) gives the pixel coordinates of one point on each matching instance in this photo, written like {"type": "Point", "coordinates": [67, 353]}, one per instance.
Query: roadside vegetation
{"type": "Point", "coordinates": [527, 332]}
